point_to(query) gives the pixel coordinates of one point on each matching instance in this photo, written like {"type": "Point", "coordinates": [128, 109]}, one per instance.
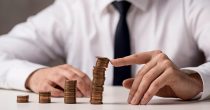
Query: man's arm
{"type": "Point", "coordinates": [199, 26]}
{"type": "Point", "coordinates": [159, 76]}
{"type": "Point", "coordinates": [31, 45]}
{"type": "Point", "coordinates": [38, 41]}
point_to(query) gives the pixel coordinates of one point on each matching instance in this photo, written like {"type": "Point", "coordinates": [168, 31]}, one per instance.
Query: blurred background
{"type": "Point", "coordinates": [13, 12]}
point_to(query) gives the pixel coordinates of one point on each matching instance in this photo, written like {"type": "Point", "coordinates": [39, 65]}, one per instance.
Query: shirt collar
{"type": "Point", "coordinates": [103, 4]}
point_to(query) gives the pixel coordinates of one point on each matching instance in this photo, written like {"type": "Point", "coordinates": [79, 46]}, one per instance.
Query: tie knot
{"type": "Point", "coordinates": [122, 6]}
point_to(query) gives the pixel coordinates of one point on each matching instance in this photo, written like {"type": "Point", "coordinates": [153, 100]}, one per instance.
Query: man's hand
{"type": "Point", "coordinates": [159, 76]}
{"type": "Point", "coordinates": [51, 79]}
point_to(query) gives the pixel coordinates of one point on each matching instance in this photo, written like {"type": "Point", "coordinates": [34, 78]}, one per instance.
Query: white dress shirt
{"type": "Point", "coordinates": [78, 30]}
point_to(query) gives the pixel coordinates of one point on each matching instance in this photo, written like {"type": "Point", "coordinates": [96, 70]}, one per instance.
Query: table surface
{"type": "Point", "coordinates": [114, 99]}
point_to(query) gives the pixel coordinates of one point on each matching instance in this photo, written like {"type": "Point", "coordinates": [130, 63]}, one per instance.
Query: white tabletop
{"type": "Point", "coordinates": [114, 99]}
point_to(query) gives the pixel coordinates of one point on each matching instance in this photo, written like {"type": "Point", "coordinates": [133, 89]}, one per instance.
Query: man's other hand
{"type": "Point", "coordinates": [159, 76]}
{"type": "Point", "coordinates": [53, 80]}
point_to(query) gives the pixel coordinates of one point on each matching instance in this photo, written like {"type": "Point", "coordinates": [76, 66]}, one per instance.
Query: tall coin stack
{"type": "Point", "coordinates": [70, 91]}
{"type": "Point", "coordinates": [98, 80]}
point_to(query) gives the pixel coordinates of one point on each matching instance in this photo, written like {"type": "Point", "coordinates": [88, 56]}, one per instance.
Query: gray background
{"type": "Point", "coordinates": [13, 12]}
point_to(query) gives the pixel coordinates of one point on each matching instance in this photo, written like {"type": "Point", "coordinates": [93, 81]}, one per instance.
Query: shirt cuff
{"type": "Point", "coordinates": [19, 74]}
{"type": "Point", "coordinates": [205, 76]}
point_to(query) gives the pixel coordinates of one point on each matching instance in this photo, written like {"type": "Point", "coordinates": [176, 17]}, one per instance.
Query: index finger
{"type": "Point", "coordinates": [139, 58]}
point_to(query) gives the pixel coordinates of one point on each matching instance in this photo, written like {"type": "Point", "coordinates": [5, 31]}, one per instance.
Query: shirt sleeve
{"type": "Point", "coordinates": [32, 45]}
{"type": "Point", "coordinates": [199, 25]}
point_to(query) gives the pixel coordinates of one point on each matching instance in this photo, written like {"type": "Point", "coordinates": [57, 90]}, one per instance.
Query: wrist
{"type": "Point", "coordinates": [197, 80]}
{"type": "Point", "coordinates": [28, 80]}
{"type": "Point", "coordinates": [187, 86]}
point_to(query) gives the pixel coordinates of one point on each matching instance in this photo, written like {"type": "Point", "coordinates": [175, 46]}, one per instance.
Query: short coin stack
{"type": "Point", "coordinates": [70, 91]}
{"type": "Point", "coordinates": [22, 99]}
{"type": "Point", "coordinates": [44, 97]}
{"type": "Point", "coordinates": [98, 80]}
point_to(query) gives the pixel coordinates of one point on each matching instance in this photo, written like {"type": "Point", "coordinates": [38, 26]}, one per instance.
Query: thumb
{"type": "Point", "coordinates": [128, 83]}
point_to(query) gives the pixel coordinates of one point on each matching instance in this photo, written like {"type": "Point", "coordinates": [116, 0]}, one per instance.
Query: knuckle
{"type": "Point", "coordinates": [146, 77]}
{"type": "Point", "coordinates": [157, 52]}
{"type": "Point", "coordinates": [162, 56]}
{"type": "Point", "coordinates": [166, 63]}
{"type": "Point", "coordinates": [155, 85]}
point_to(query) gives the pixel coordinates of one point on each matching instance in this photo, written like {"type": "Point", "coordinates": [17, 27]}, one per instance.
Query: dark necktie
{"type": "Point", "coordinates": [122, 42]}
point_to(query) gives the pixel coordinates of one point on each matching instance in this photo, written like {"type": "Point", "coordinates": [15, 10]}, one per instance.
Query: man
{"type": "Point", "coordinates": [169, 38]}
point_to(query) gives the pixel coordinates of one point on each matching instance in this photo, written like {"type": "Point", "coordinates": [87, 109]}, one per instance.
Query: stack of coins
{"type": "Point", "coordinates": [44, 97]}
{"type": "Point", "coordinates": [98, 80]}
{"type": "Point", "coordinates": [22, 99]}
{"type": "Point", "coordinates": [70, 91]}
{"type": "Point", "coordinates": [102, 62]}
